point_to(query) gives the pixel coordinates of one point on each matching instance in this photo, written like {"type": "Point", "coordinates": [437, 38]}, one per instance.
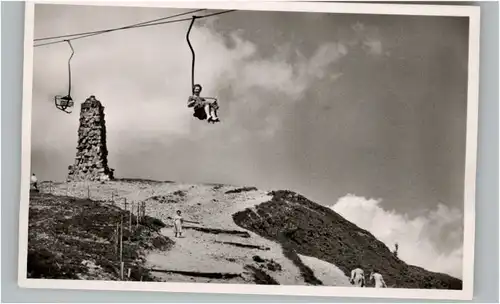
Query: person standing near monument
{"type": "Point", "coordinates": [34, 181]}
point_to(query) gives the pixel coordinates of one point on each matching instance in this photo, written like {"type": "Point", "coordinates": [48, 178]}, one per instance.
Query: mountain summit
{"type": "Point", "coordinates": [234, 235]}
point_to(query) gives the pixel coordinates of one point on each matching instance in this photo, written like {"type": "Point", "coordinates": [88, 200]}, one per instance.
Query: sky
{"type": "Point", "coordinates": [362, 113]}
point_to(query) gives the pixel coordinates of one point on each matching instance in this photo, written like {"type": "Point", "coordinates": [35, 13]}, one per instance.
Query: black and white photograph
{"type": "Point", "coordinates": [275, 148]}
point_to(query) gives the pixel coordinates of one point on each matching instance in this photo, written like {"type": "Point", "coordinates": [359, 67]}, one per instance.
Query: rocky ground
{"type": "Point", "coordinates": [76, 238]}
{"type": "Point", "coordinates": [239, 235]}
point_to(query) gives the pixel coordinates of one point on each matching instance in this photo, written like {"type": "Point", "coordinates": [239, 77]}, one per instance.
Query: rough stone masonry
{"type": "Point", "coordinates": [91, 162]}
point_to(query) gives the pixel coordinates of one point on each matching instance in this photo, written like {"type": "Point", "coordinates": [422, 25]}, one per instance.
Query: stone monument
{"type": "Point", "coordinates": [91, 162]}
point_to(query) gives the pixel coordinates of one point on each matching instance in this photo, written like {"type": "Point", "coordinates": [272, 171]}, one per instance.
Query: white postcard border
{"type": "Point", "coordinates": [473, 12]}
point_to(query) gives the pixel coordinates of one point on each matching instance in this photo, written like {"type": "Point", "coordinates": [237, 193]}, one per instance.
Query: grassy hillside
{"type": "Point", "coordinates": [72, 238]}
{"type": "Point", "coordinates": [313, 230]}
{"type": "Point", "coordinates": [237, 235]}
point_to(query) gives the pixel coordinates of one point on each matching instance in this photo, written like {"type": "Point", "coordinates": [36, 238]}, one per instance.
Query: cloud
{"type": "Point", "coordinates": [432, 240]}
{"type": "Point", "coordinates": [263, 88]}
{"type": "Point", "coordinates": [258, 86]}
{"type": "Point", "coordinates": [246, 72]}
{"type": "Point", "coordinates": [142, 77]}
{"type": "Point", "coordinates": [368, 38]}
{"type": "Point", "coordinates": [373, 46]}
{"type": "Point", "coordinates": [358, 27]}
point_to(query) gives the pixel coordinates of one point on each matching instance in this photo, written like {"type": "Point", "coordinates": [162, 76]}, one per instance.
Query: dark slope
{"type": "Point", "coordinates": [72, 238]}
{"type": "Point", "coordinates": [313, 230]}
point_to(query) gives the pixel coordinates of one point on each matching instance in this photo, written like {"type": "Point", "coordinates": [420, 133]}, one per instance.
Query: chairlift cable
{"type": "Point", "coordinates": [119, 28]}
{"type": "Point", "coordinates": [84, 35]}
{"type": "Point", "coordinates": [64, 102]}
{"type": "Point", "coordinates": [108, 31]}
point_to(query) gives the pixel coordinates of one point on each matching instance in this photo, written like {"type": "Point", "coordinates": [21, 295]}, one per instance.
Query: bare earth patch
{"type": "Point", "coordinates": [239, 235]}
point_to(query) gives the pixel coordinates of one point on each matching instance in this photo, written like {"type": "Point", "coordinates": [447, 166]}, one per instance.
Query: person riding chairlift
{"type": "Point", "coordinates": [204, 107]}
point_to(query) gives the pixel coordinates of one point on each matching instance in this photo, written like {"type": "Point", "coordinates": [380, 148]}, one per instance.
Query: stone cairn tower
{"type": "Point", "coordinates": [91, 163]}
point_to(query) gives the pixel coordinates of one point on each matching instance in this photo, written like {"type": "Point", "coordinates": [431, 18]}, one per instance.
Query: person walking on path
{"type": "Point", "coordinates": [178, 222]}
{"type": "Point", "coordinates": [357, 277]}
{"type": "Point", "coordinates": [379, 279]}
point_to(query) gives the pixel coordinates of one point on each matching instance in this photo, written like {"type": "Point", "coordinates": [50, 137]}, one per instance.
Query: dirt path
{"type": "Point", "coordinates": [328, 273]}
{"type": "Point", "coordinates": [209, 252]}
{"type": "Point", "coordinates": [213, 247]}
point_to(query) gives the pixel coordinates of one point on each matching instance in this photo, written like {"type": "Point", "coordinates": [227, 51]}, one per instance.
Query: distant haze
{"type": "Point", "coordinates": [323, 104]}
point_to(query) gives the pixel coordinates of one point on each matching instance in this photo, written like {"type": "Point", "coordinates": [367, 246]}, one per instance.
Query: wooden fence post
{"type": "Point", "coordinates": [117, 237]}
{"type": "Point", "coordinates": [121, 248]}
{"type": "Point", "coordinates": [130, 220]}
{"type": "Point", "coordinates": [137, 216]}
{"type": "Point", "coordinates": [121, 271]}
